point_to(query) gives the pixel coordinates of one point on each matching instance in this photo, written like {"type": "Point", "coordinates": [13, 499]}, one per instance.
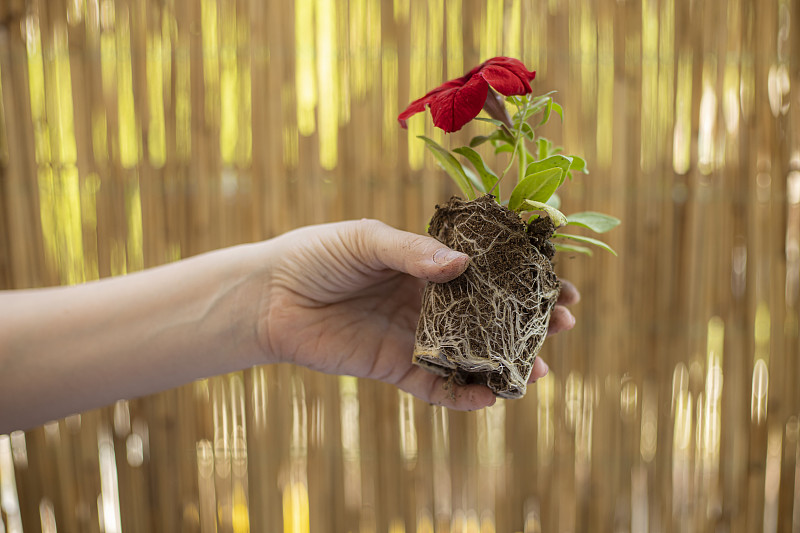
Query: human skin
{"type": "Point", "coordinates": [340, 298]}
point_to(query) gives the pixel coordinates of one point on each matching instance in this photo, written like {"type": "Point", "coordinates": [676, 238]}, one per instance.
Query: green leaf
{"type": "Point", "coordinates": [478, 140]}
{"type": "Point", "coordinates": [543, 97]}
{"type": "Point", "coordinates": [487, 177]}
{"type": "Point", "coordinates": [548, 108]}
{"type": "Point", "coordinates": [587, 240]}
{"type": "Point", "coordinates": [554, 161]}
{"type": "Point", "coordinates": [540, 100]}
{"type": "Point", "coordinates": [597, 222]}
{"type": "Point", "coordinates": [578, 164]}
{"type": "Point", "coordinates": [498, 123]}
{"type": "Point", "coordinates": [563, 247]}
{"type": "Point", "coordinates": [537, 187]}
{"type": "Point", "coordinates": [544, 148]}
{"type": "Point", "coordinates": [527, 131]}
{"type": "Point", "coordinates": [510, 148]}
{"type": "Point", "coordinates": [473, 178]}
{"type": "Point", "coordinates": [558, 109]}
{"type": "Point", "coordinates": [554, 201]}
{"type": "Point", "coordinates": [519, 116]}
{"type": "Point", "coordinates": [451, 165]}
{"type": "Point", "coordinates": [498, 135]}
{"type": "Point", "coordinates": [555, 215]}
{"type": "Point", "coordinates": [535, 106]}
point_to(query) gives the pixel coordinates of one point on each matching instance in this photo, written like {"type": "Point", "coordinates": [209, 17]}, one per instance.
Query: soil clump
{"type": "Point", "coordinates": [487, 325]}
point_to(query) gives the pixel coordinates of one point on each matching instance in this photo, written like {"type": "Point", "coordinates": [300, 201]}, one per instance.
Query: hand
{"type": "Point", "coordinates": [339, 298]}
{"type": "Point", "coordinates": [345, 299]}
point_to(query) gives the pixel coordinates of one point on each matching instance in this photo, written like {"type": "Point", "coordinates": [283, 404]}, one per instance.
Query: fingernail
{"type": "Point", "coordinates": [444, 256]}
{"type": "Point", "coordinates": [546, 369]}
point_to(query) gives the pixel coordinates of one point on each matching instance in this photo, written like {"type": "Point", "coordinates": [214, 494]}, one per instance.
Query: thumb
{"type": "Point", "coordinates": [420, 256]}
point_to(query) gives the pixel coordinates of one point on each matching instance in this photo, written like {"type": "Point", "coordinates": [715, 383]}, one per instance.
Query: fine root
{"type": "Point", "coordinates": [487, 325]}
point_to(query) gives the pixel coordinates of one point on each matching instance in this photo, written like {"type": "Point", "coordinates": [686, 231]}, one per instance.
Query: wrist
{"type": "Point", "coordinates": [271, 284]}
{"type": "Point", "coordinates": [248, 301]}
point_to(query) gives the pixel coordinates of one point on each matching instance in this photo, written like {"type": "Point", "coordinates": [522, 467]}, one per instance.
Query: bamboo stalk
{"type": "Point", "coordinates": [630, 430]}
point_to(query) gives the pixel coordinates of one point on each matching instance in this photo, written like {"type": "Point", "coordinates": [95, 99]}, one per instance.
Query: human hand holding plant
{"type": "Point", "coordinates": [345, 299]}
{"type": "Point", "coordinates": [488, 325]}
{"type": "Point", "coordinates": [340, 298]}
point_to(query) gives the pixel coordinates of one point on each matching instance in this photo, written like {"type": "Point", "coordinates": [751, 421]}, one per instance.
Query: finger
{"type": "Point", "coordinates": [569, 293]}
{"type": "Point", "coordinates": [383, 247]}
{"type": "Point", "coordinates": [540, 370]}
{"type": "Point", "coordinates": [560, 320]}
{"type": "Point", "coordinates": [437, 391]}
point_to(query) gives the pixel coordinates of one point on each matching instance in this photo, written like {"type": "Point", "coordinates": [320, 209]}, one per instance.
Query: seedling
{"type": "Point", "coordinates": [488, 325]}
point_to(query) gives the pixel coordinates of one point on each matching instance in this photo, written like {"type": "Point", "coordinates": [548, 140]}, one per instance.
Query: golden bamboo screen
{"type": "Point", "coordinates": [139, 132]}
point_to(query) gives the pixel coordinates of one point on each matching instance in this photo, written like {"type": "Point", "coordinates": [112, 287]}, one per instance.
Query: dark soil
{"type": "Point", "coordinates": [487, 325]}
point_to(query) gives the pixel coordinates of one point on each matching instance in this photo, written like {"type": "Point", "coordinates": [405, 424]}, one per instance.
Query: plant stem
{"type": "Point", "coordinates": [517, 142]}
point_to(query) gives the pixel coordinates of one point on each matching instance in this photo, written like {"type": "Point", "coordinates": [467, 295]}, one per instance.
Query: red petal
{"type": "Point", "coordinates": [413, 108]}
{"type": "Point", "coordinates": [514, 65]}
{"type": "Point", "coordinates": [507, 76]}
{"type": "Point", "coordinates": [420, 104]}
{"type": "Point", "coordinates": [455, 107]}
{"type": "Point", "coordinates": [458, 101]}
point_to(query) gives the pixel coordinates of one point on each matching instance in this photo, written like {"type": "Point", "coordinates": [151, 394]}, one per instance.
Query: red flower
{"type": "Point", "coordinates": [458, 101]}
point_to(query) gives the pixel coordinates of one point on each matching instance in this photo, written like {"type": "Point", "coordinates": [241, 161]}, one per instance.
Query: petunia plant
{"type": "Point", "coordinates": [541, 167]}
{"type": "Point", "coordinates": [488, 325]}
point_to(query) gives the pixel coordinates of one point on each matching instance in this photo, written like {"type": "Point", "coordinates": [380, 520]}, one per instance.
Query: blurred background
{"type": "Point", "coordinates": [134, 133]}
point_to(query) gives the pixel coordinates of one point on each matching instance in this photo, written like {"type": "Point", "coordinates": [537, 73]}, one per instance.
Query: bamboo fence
{"type": "Point", "coordinates": [134, 133]}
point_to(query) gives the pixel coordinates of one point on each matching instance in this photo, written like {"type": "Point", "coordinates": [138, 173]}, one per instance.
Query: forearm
{"type": "Point", "coordinates": [68, 349]}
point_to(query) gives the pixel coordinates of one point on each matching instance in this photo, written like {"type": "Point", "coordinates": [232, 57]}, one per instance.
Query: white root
{"type": "Point", "coordinates": [482, 329]}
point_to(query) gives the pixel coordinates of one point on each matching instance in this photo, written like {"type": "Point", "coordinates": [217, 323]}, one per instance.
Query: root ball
{"type": "Point", "coordinates": [488, 325]}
